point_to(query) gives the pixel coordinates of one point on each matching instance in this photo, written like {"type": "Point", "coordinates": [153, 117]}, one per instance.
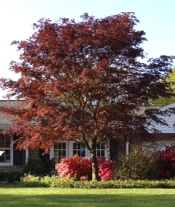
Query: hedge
{"type": "Point", "coordinates": [54, 181]}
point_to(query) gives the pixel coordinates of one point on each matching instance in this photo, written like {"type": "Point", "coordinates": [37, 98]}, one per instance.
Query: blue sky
{"type": "Point", "coordinates": [156, 18]}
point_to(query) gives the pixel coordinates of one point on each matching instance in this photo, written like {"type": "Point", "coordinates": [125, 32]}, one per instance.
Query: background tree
{"type": "Point", "coordinates": [83, 81]}
{"type": "Point", "coordinates": [163, 101]}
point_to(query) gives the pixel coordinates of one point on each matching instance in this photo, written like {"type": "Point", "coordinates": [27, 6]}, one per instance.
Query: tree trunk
{"type": "Point", "coordinates": [95, 175]}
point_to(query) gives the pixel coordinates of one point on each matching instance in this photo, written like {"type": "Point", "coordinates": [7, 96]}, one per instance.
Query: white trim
{"type": "Point", "coordinates": [107, 150]}
{"type": "Point", "coordinates": [127, 148]}
{"type": "Point", "coordinates": [70, 149]}
{"type": "Point", "coordinates": [27, 156]}
{"type": "Point", "coordinates": [51, 153]}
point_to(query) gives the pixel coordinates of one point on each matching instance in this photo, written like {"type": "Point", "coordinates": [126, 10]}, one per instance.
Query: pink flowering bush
{"type": "Point", "coordinates": [81, 168]}
{"type": "Point", "coordinates": [74, 167]}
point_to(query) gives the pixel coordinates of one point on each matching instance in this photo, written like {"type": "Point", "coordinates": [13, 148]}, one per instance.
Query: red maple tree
{"type": "Point", "coordinates": [83, 81]}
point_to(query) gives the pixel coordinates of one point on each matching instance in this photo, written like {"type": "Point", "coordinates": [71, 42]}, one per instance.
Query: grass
{"type": "Point", "coordinates": [50, 197]}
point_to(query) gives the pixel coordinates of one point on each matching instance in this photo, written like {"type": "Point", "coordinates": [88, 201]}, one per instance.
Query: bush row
{"type": "Point", "coordinates": [146, 164]}
{"type": "Point", "coordinates": [10, 177]}
{"type": "Point", "coordinates": [139, 165]}
{"type": "Point", "coordinates": [55, 182]}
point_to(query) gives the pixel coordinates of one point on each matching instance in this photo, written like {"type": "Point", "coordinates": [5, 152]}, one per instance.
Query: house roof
{"type": "Point", "coordinates": [4, 119]}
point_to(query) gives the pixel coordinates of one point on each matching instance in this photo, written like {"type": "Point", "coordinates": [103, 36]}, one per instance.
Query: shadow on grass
{"type": "Point", "coordinates": [87, 200]}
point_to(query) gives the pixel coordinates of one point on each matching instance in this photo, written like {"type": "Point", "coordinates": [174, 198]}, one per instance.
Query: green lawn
{"type": "Point", "coordinates": [50, 197]}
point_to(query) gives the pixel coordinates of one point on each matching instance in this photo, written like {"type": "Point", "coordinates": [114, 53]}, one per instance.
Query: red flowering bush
{"type": "Point", "coordinates": [107, 169]}
{"type": "Point", "coordinates": [166, 163]}
{"type": "Point", "coordinates": [81, 168]}
{"type": "Point", "coordinates": [74, 167]}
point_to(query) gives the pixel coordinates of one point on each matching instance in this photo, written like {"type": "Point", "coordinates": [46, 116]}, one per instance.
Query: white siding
{"type": "Point", "coordinates": [169, 119]}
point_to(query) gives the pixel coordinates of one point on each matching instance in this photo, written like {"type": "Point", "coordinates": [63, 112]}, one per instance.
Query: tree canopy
{"type": "Point", "coordinates": [83, 81]}
{"type": "Point", "coordinates": [163, 101]}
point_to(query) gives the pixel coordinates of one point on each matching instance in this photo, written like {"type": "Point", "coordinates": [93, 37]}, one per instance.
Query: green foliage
{"type": "Point", "coordinates": [163, 101]}
{"type": "Point", "coordinates": [54, 181]}
{"type": "Point", "coordinates": [34, 166]}
{"type": "Point", "coordinates": [49, 167]}
{"type": "Point", "coordinates": [140, 164]}
{"type": "Point", "coordinates": [33, 181]}
{"type": "Point", "coordinates": [11, 176]}
{"type": "Point", "coordinates": [3, 176]}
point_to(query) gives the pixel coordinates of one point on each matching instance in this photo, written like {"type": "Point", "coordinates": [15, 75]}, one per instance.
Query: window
{"type": "Point", "coordinates": [79, 149]}
{"type": "Point", "coordinates": [59, 151]}
{"type": "Point", "coordinates": [100, 150]}
{"type": "Point", "coordinates": [70, 148]}
{"type": "Point", "coordinates": [5, 150]}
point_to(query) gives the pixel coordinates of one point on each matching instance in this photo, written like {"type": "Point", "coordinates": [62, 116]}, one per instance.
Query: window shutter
{"type": "Point", "coordinates": [18, 155]}
{"type": "Point", "coordinates": [113, 149]}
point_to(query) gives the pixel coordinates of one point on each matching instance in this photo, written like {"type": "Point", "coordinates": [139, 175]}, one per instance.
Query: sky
{"type": "Point", "coordinates": [156, 18]}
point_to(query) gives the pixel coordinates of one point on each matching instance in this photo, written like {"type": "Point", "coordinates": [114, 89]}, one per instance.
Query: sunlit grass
{"type": "Point", "coordinates": [50, 197]}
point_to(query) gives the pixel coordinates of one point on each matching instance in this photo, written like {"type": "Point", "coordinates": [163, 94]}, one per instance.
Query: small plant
{"type": "Point", "coordinates": [32, 181]}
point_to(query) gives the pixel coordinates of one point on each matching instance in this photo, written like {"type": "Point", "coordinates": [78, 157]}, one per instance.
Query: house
{"type": "Point", "coordinates": [11, 158]}
{"type": "Point", "coordinates": [167, 135]}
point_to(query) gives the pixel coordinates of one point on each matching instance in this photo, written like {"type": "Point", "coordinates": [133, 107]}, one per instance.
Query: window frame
{"type": "Point", "coordinates": [99, 150]}
{"type": "Point", "coordinates": [66, 148]}
{"type": "Point", "coordinates": [69, 150]}
{"type": "Point", "coordinates": [10, 163]}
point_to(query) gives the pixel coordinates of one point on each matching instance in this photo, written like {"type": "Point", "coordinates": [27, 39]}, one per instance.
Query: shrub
{"type": "Point", "coordinates": [11, 176]}
{"type": "Point", "coordinates": [49, 167]}
{"type": "Point", "coordinates": [166, 163]}
{"type": "Point", "coordinates": [74, 167]}
{"type": "Point", "coordinates": [34, 166]}
{"type": "Point", "coordinates": [139, 164]}
{"type": "Point", "coordinates": [80, 168]}
{"type": "Point", "coordinates": [106, 169]}
{"type": "Point", "coordinates": [32, 181]}
{"type": "Point", "coordinates": [3, 176]}
{"type": "Point", "coordinates": [38, 167]}
{"type": "Point", "coordinates": [14, 176]}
